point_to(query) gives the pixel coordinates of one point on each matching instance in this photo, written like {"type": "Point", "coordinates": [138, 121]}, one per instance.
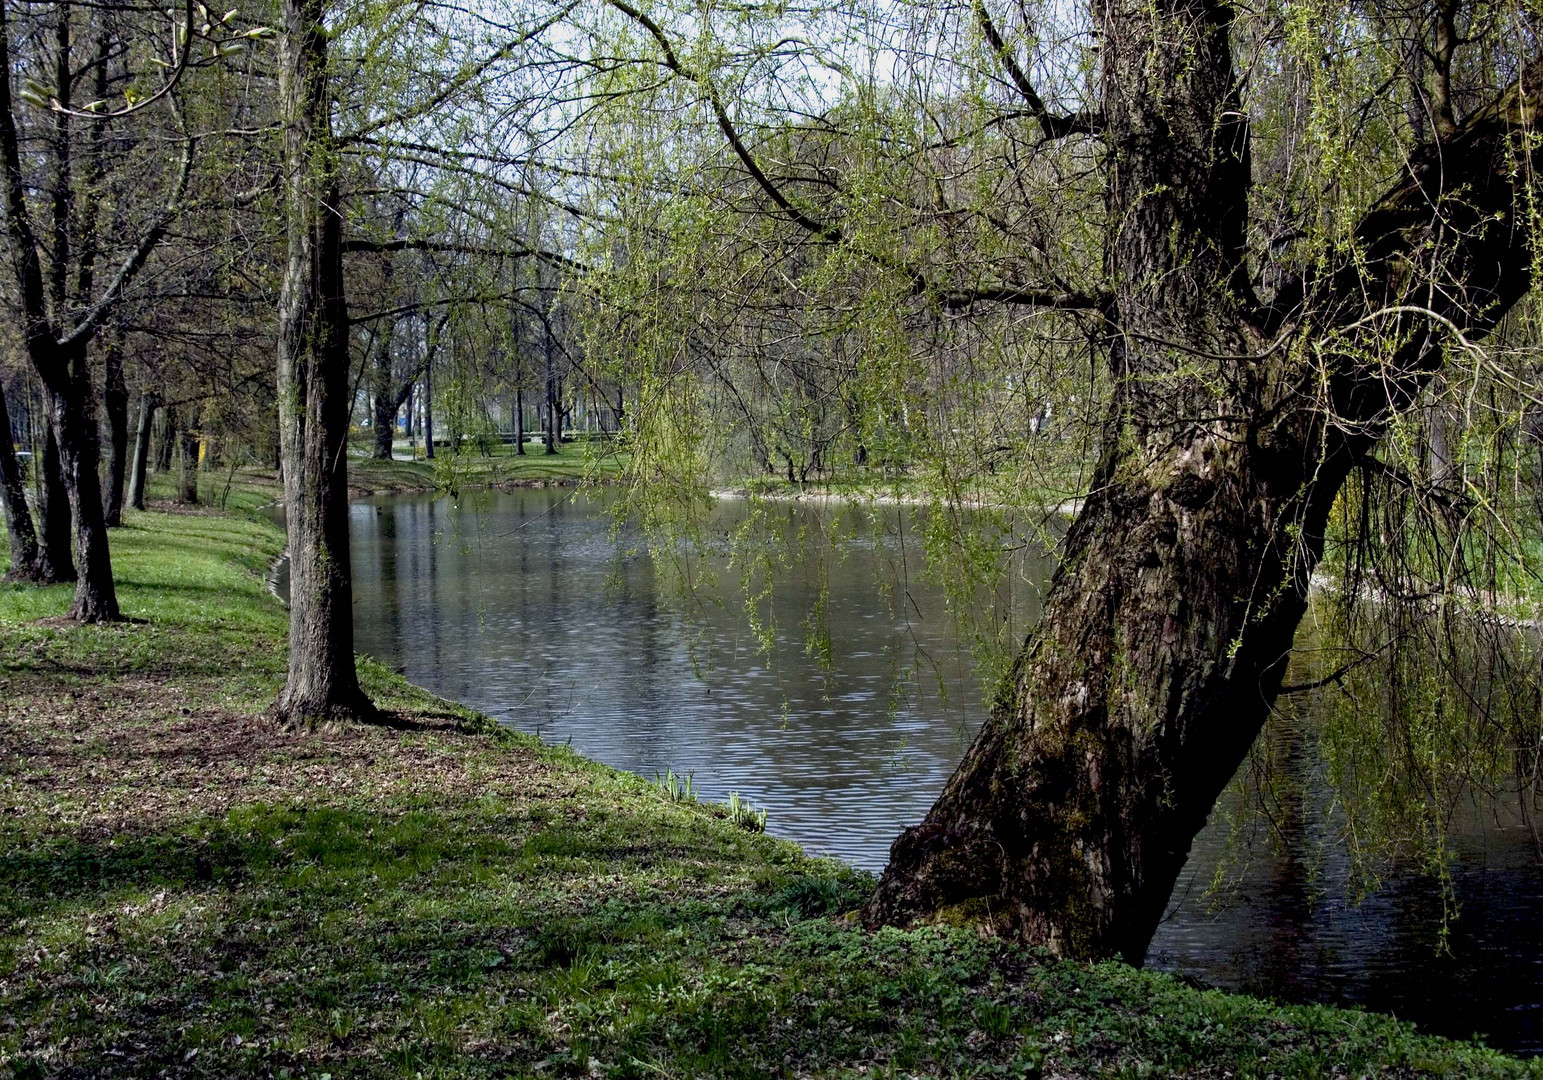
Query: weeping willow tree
{"type": "Point", "coordinates": [1246, 284]}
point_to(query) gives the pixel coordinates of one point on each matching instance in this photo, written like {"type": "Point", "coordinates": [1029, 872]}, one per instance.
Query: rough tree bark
{"type": "Point", "coordinates": [147, 407]}
{"type": "Point", "coordinates": [1167, 627]}
{"type": "Point", "coordinates": [74, 423]}
{"type": "Point", "coordinates": [13, 500]}
{"type": "Point", "coordinates": [56, 561]}
{"type": "Point", "coordinates": [322, 685]}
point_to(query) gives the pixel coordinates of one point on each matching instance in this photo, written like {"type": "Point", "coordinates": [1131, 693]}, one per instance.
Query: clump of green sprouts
{"type": "Point", "coordinates": [678, 788]}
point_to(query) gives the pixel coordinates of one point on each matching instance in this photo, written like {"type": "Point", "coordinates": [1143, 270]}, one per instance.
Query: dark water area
{"type": "Point", "coordinates": [525, 606]}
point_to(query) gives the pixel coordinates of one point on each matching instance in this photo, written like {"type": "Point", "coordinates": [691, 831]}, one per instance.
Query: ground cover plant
{"type": "Point", "coordinates": [187, 890]}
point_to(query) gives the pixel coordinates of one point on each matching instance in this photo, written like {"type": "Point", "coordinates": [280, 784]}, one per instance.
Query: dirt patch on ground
{"type": "Point", "coordinates": [148, 752]}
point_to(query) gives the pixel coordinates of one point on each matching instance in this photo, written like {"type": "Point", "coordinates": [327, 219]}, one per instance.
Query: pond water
{"type": "Point", "coordinates": [525, 606]}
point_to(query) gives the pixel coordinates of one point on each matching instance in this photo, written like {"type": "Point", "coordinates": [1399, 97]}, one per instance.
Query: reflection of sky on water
{"type": "Point", "coordinates": [519, 604]}
{"type": "Point", "coordinates": [525, 609]}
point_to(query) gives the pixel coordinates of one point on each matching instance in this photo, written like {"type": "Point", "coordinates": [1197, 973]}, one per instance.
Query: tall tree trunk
{"type": "Point", "coordinates": [115, 399]}
{"type": "Point", "coordinates": [56, 559]}
{"type": "Point", "coordinates": [64, 368]}
{"type": "Point", "coordinates": [96, 597]}
{"type": "Point", "coordinates": [385, 428]}
{"type": "Point", "coordinates": [13, 499]}
{"type": "Point", "coordinates": [383, 391]}
{"type": "Point", "coordinates": [1167, 627]}
{"type": "Point", "coordinates": [166, 444]}
{"type": "Point", "coordinates": [314, 393]}
{"type": "Point", "coordinates": [147, 407]}
{"type": "Point", "coordinates": [551, 433]}
{"type": "Point", "coordinates": [187, 460]}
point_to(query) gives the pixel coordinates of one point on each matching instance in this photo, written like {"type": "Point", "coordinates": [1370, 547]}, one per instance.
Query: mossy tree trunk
{"type": "Point", "coordinates": [322, 684]}
{"type": "Point", "coordinates": [1167, 627]}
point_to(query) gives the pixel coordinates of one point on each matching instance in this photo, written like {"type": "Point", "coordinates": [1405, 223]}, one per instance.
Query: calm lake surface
{"type": "Point", "coordinates": [525, 606]}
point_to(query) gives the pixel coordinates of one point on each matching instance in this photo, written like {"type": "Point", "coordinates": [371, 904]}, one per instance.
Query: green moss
{"type": "Point", "coordinates": [968, 914]}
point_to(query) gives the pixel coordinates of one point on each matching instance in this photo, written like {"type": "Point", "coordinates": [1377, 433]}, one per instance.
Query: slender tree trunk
{"type": "Point", "coordinates": [519, 420]}
{"type": "Point", "coordinates": [428, 412]}
{"type": "Point", "coordinates": [13, 498]}
{"type": "Point", "coordinates": [115, 399]}
{"type": "Point", "coordinates": [1167, 627]}
{"type": "Point", "coordinates": [166, 444]}
{"type": "Point", "coordinates": [314, 393]}
{"type": "Point", "coordinates": [147, 406]}
{"type": "Point", "coordinates": [54, 552]}
{"type": "Point", "coordinates": [551, 433]}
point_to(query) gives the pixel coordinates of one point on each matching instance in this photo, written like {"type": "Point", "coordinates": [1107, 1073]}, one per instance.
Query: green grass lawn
{"type": "Point", "coordinates": [187, 891]}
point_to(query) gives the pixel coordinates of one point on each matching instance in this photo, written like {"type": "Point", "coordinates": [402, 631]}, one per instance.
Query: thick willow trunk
{"type": "Point", "coordinates": [13, 500]}
{"type": "Point", "coordinates": [1167, 628]}
{"type": "Point", "coordinates": [314, 393]}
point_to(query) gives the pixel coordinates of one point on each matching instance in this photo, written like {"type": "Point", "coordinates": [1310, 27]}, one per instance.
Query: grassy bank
{"type": "Point", "coordinates": [249, 487]}
{"type": "Point", "coordinates": [186, 891]}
